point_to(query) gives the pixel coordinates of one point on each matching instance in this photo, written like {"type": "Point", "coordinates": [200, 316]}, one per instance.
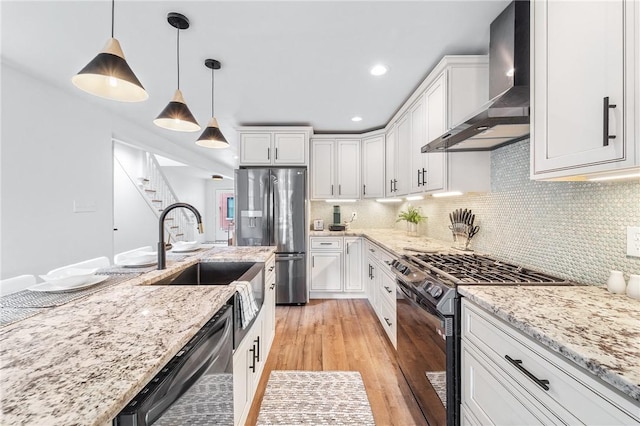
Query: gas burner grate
{"type": "Point", "coordinates": [478, 269]}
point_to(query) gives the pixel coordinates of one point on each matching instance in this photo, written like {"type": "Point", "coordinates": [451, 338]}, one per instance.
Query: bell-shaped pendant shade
{"type": "Point", "coordinates": [109, 76]}
{"type": "Point", "coordinates": [176, 116]}
{"type": "Point", "coordinates": [212, 137]}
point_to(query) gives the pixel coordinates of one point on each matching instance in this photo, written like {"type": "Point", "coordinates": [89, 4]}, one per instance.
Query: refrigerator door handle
{"type": "Point", "coordinates": [282, 257]}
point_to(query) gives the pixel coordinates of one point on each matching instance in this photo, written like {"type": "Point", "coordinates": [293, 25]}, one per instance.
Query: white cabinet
{"type": "Point", "coordinates": [353, 252]}
{"type": "Point", "coordinates": [381, 288]}
{"type": "Point", "coordinates": [433, 175]}
{"type": "Point", "coordinates": [251, 354]}
{"type": "Point", "coordinates": [280, 146]}
{"type": "Point", "coordinates": [336, 267]}
{"type": "Point", "coordinates": [509, 378]}
{"type": "Point", "coordinates": [373, 165]}
{"type": "Point", "coordinates": [391, 156]}
{"type": "Point", "coordinates": [335, 168]}
{"type": "Point", "coordinates": [326, 271]}
{"type": "Point", "coordinates": [576, 74]}
{"type": "Point", "coordinates": [397, 150]}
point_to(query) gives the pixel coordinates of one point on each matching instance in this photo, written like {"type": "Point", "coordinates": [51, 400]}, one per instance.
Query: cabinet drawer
{"type": "Point", "coordinates": [387, 288]}
{"type": "Point", "coordinates": [573, 394]}
{"type": "Point", "coordinates": [326, 243]}
{"type": "Point", "coordinates": [383, 256]}
{"type": "Point", "coordinates": [387, 315]}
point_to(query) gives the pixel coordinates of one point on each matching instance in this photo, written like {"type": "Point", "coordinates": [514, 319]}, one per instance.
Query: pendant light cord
{"type": "Point", "coordinates": [178, 57]}
{"type": "Point", "coordinates": [113, 8]}
{"type": "Point", "coordinates": [212, 85]}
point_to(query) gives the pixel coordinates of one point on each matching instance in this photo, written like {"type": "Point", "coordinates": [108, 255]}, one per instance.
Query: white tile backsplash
{"type": "Point", "coordinates": [575, 230]}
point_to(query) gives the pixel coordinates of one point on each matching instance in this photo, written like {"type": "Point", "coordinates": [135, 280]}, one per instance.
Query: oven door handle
{"type": "Point", "coordinates": [411, 298]}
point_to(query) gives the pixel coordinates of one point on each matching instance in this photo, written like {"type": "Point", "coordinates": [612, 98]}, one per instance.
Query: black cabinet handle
{"type": "Point", "coordinates": [364, 189]}
{"type": "Point", "coordinates": [424, 173]}
{"type": "Point", "coordinates": [331, 189]}
{"type": "Point", "coordinates": [388, 289]}
{"type": "Point", "coordinates": [252, 367]}
{"type": "Point", "coordinates": [268, 153]}
{"type": "Point", "coordinates": [389, 323]}
{"type": "Point", "coordinates": [391, 185]}
{"type": "Point", "coordinates": [518, 364]}
{"type": "Point", "coordinates": [339, 189]}
{"type": "Point", "coordinates": [256, 354]}
{"type": "Point", "coordinates": [276, 153]}
{"type": "Point", "coordinates": [271, 268]}
{"type": "Point", "coordinates": [273, 285]}
{"type": "Point", "coordinates": [605, 125]}
{"type": "Point", "coordinates": [419, 180]}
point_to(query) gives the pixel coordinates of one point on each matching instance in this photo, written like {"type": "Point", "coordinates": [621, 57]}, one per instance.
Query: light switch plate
{"type": "Point", "coordinates": [633, 241]}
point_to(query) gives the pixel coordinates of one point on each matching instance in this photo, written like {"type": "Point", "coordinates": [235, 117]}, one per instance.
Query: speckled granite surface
{"type": "Point", "coordinates": [80, 363]}
{"type": "Point", "coordinates": [589, 326]}
{"type": "Point", "coordinates": [392, 239]}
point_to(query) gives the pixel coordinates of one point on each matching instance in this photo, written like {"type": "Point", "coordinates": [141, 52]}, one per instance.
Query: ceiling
{"type": "Point", "coordinates": [284, 63]}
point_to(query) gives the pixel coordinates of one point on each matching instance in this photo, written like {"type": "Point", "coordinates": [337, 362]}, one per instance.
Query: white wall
{"type": "Point", "coordinates": [56, 149]}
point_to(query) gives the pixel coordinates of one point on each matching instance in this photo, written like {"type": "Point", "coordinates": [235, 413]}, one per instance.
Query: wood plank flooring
{"type": "Point", "coordinates": [342, 334]}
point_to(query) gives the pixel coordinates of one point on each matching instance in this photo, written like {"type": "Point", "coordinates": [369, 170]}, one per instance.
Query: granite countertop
{"type": "Point", "coordinates": [80, 363]}
{"type": "Point", "coordinates": [587, 325]}
{"type": "Point", "coordinates": [394, 240]}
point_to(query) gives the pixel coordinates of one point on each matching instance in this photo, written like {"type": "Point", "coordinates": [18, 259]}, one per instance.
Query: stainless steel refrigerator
{"type": "Point", "coordinates": [271, 206]}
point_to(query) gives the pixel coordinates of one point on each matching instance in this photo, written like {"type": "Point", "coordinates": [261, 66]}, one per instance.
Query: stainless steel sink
{"type": "Point", "coordinates": [214, 273]}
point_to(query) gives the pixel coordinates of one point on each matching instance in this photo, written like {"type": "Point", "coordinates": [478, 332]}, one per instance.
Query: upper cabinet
{"type": "Point", "coordinates": [373, 167]}
{"type": "Point", "coordinates": [278, 146]}
{"type": "Point", "coordinates": [585, 102]}
{"type": "Point", "coordinates": [335, 168]}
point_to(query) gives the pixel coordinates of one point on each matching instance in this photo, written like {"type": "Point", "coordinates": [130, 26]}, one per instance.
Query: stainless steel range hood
{"type": "Point", "coordinates": [505, 118]}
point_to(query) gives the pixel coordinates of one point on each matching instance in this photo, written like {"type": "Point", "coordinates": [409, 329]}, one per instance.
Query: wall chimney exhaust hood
{"type": "Point", "coordinates": [505, 118]}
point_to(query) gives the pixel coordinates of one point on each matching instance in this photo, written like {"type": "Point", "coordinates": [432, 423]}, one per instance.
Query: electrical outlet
{"type": "Point", "coordinates": [633, 241]}
{"type": "Point", "coordinates": [354, 215]}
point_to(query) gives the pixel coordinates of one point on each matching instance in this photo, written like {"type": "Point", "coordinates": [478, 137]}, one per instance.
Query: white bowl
{"type": "Point", "coordinates": [185, 245]}
{"type": "Point", "coordinates": [138, 258]}
{"type": "Point", "coordinates": [71, 277]}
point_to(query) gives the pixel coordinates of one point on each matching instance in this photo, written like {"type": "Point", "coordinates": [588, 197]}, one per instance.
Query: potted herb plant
{"type": "Point", "coordinates": [413, 217]}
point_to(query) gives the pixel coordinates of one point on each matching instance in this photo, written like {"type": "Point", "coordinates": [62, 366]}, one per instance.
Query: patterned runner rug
{"type": "Point", "coordinates": [438, 380]}
{"type": "Point", "coordinates": [315, 398]}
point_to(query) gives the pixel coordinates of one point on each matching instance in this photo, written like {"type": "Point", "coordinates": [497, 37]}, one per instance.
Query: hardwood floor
{"type": "Point", "coordinates": [341, 335]}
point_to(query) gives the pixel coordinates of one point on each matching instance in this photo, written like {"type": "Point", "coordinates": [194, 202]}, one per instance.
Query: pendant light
{"type": "Point", "coordinates": [108, 75]}
{"type": "Point", "coordinates": [176, 115]}
{"type": "Point", "coordinates": [212, 137]}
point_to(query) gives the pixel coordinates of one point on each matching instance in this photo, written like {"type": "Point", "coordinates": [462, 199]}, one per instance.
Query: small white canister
{"type": "Point", "coordinates": [616, 283]}
{"type": "Point", "coordinates": [633, 288]}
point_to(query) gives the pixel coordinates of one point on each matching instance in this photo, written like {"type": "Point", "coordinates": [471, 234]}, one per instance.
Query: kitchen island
{"type": "Point", "coordinates": [80, 363]}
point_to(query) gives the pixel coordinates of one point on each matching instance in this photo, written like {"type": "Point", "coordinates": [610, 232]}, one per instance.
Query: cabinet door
{"type": "Point", "coordinates": [322, 169]}
{"type": "Point", "coordinates": [255, 148]}
{"type": "Point", "coordinates": [403, 161]}
{"type": "Point", "coordinates": [348, 169]}
{"type": "Point", "coordinates": [390, 162]}
{"type": "Point", "coordinates": [289, 148]}
{"type": "Point", "coordinates": [373, 166]}
{"type": "Point", "coordinates": [491, 399]}
{"type": "Point", "coordinates": [418, 138]}
{"type": "Point", "coordinates": [574, 71]}
{"type": "Point", "coordinates": [326, 271]}
{"type": "Point", "coordinates": [242, 380]}
{"type": "Point", "coordinates": [353, 264]}
{"type": "Point", "coordinates": [436, 116]}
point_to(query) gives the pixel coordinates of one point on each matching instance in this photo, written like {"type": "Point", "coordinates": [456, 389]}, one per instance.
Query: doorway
{"type": "Point", "coordinates": [225, 211]}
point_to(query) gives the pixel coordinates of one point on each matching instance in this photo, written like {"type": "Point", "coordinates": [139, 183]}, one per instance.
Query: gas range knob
{"type": "Point", "coordinates": [435, 291]}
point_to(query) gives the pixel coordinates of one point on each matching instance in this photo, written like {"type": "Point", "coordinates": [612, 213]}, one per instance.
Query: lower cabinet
{"type": "Point", "coordinates": [336, 267]}
{"type": "Point", "coordinates": [251, 355]}
{"type": "Point", "coordinates": [381, 288]}
{"type": "Point", "coordinates": [509, 378]}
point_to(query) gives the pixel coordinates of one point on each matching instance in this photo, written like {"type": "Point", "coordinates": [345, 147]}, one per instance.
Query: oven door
{"type": "Point", "coordinates": [195, 387]}
{"type": "Point", "coordinates": [426, 355]}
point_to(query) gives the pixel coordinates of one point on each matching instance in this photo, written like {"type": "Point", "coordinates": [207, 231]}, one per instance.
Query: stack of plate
{"type": "Point", "coordinates": [185, 246]}
{"type": "Point", "coordinates": [71, 279]}
{"type": "Point", "coordinates": [138, 259]}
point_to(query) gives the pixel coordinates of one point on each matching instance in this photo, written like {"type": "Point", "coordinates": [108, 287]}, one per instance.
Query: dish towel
{"type": "Point", "coordinates": [248, 306]}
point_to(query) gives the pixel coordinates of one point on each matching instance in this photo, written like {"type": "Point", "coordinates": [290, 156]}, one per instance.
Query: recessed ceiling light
{"type": "Point", "coordinates": [356, 118]}
{"type": "Point", "coordinates": [379, 70]}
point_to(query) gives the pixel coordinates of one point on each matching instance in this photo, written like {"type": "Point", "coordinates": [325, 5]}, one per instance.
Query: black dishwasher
{"type": "Point", "coordinates": [196, 385]}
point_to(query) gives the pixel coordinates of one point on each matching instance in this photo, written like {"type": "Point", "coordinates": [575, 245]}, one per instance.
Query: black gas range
{"type": "Point", "coordinates": [428, 320]}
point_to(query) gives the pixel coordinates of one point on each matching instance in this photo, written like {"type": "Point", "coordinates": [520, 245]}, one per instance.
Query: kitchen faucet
{"type": "Point", "coordinates": [162, 254]}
